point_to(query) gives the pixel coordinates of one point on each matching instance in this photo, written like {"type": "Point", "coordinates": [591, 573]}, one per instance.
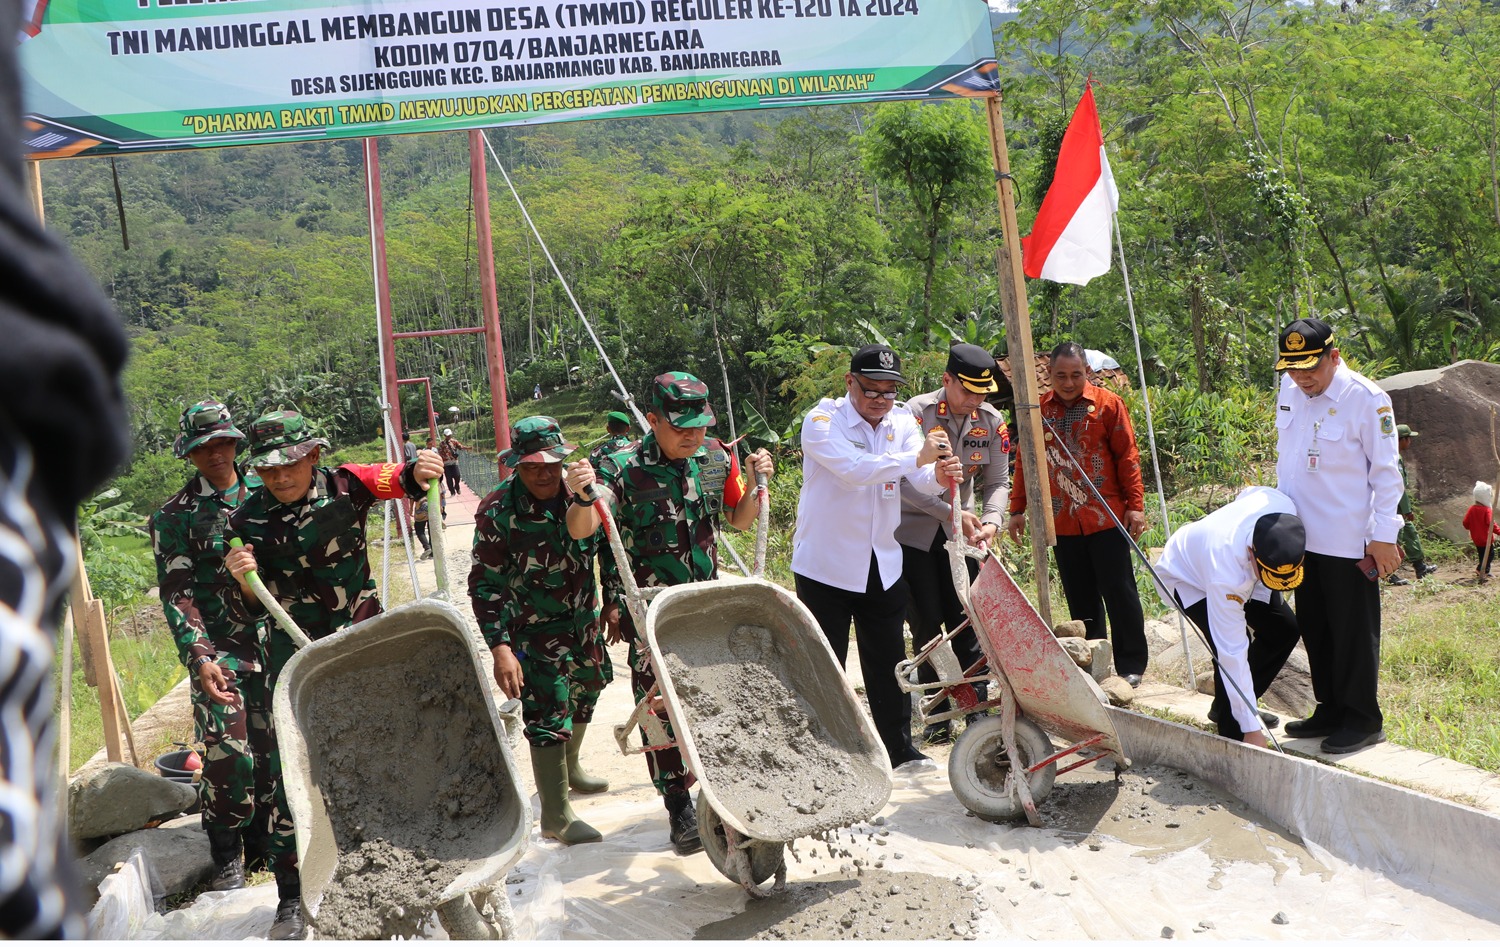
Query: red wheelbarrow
{"type": "Point", "coordinates": [1001, 766]}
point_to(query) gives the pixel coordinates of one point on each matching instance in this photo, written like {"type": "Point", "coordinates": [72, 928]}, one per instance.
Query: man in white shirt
{"type": "Point", "coordinates": [1227, 571]}
{"type": "Point", "coordinates": [1336, 459]}
{"type": "Point", "coordinates": [845, 558]}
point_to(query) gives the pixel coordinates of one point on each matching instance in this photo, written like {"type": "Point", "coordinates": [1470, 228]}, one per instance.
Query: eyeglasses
{"type": "Point", "coordinates": [872, 395]}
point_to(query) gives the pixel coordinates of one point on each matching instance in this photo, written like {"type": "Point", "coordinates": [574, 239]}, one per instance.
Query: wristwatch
{"type": "Point", "coordinates": [579, 499]}
{"type": "Point", "coordinates": [198, 662]}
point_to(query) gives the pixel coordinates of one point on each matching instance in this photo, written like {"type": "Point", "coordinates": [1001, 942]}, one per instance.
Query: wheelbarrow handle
{"type": "Point", "coordinates": [762, 524]}
{"type": "Point", "coordinates": [439, 542]}
{"type": "Point", "coordinates": [634, 600]}
{"type": "Point", "coordinates": [299, 638]}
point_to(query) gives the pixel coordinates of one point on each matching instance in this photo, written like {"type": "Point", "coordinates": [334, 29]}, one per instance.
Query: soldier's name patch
{"type": "Point", "coordinates": [1285, 407]}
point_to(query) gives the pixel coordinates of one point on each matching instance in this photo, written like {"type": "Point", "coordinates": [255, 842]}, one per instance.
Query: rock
{"type": "Point", "coordinates": [1291, 694]}
{"type": "Point", "coordinates": [116, 798]}
{"type": "Point", "coordinates": [1070, 629]}
{"type": "Point", "coordinates": [1120, 693]}
{"type": "Point", "coordinates": [179, 856]}
{"type": "Point", "coordinates": [1168, 664]}
{"type": "Point", "coordinates": [1167, 933]}
{"type": "Point", "coordinates": [1161, 635]}
{"type": "Point", "coordinates": [1102, 663]}
{"type": "Point", "coordinates": [1205, 682]}
{"type": "Point", "coordinates": [1280, 918]}
{"type": "Point", "coordinates": [1078, 649]}
{"type": "Point", "coordinates": [1449, 408]}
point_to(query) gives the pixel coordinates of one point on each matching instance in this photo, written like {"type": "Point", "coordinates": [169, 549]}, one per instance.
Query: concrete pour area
{"type": "Point", "coordinates": [1146, 854]}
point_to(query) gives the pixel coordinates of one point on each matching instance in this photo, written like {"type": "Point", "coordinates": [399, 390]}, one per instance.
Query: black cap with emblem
{"type": "Point", "coordinates": [1303, 344]}
{"type": "Point", "coordinates": [1280, 543]}
{"type": "Point", "coordinates": [973, 367]}
{"type": "Point", "coordinates": [877, 362]}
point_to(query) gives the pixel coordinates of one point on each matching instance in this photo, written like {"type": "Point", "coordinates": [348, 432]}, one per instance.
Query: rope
{"type": "Point", "coordinates": [635, 411]}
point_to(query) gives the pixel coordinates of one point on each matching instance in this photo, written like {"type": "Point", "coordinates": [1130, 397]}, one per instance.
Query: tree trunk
{"type": "Point", "coordinates": [1200, 343]}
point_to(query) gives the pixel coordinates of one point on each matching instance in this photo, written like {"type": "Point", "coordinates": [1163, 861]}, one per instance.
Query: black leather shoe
{"type": "Point", "coordinates": [682, 820]}
{"type": "Point", "coordinates": [1347, 741]}
{"type": "Point", "coordinates": [1311, 727]}
{"type": "Point", "coordinates": [1424, 569]}
{"type": "Point", "coordinates": [1394, 579]}
{"type": "Point", "coordinates": [288, 924]}
{"type": "Point", "coordinates": [937, 733]}
{"type": "Point", "coordinates": [1269, 719]}
{"type": "Point", "coordinates": [1134, 680]}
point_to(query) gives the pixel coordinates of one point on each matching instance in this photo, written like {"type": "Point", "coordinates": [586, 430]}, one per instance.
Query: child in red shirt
{"type": "Point", "coordinates": [1479, 521]}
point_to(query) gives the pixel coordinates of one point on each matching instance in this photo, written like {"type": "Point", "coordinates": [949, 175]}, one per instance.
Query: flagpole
{"type": "Point", "coordinates": [1022, 361]}
{"type": "Point", "coordinates": [1161, 494]}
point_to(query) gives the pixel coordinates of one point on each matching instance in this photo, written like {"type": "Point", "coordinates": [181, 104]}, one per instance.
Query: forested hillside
{"type": "Point", "coordinates": [1272, 159]}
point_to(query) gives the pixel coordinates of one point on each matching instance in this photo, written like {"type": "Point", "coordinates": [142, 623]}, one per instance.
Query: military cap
{"type": "Point", "coordinates": [203, 422]}
{"type": "Point", "coordinates": [1280, 542]}
{"type": "Point", "coordinates": [1404, 430]}
{"type": "Point", "coordinates": [682, 400]}
{"type": "Point", "coordinates": [619, 416]}
{"type": "Point", "coordinates": [1303, 344]}
{"type": "Point", "coordinates": [536, 440]}
{"type": "Point", "coordinates": [877, 362]}
{"type": "Point", "coordinates": [973, 367]}
{"type": "Point", "coordinates": [281, 438]}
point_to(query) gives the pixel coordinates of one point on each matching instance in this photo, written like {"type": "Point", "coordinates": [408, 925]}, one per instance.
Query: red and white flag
{"type": "Point", "coordinates": [1069, 242]}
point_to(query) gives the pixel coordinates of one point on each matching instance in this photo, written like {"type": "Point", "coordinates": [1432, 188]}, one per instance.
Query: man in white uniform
{"type": "Point", "coordinates": [1336, 458]}
{"type": "Point", "coordinates": [1227, 571]}
{"type": "Point", "coordinates": [845, 558]}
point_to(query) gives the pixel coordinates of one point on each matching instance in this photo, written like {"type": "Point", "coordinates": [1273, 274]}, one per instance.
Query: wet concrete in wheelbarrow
{"type": "Point", "coordinates": [413, 780]}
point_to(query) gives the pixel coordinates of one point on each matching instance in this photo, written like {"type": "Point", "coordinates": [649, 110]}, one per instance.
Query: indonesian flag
{"type": "Point", "coordinates": [1069, 242]}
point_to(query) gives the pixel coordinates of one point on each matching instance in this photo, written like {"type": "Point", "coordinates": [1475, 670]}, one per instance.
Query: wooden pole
{"type": "Point", "coordinates": [1022, 362]}
{"type": "Point", "coordinates": [99, 666]}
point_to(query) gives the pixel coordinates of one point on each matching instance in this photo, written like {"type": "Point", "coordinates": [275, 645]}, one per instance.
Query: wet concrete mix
{"type": "Point", "coordinates": [412, 778]}
{"type": "Point", "coordinates": [762, 746]}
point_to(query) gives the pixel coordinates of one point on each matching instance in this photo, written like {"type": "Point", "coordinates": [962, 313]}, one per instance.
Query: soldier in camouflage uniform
{"type": "Point", "coordinates": [225, 658]}
{"type": "Point", "coordinates": [534, 596]}
{"type": "Point", "coordinates": [304, 532]}
{"type": "Point", "coordinates": [617, 424]}
{"type": "Point", "coordinates": [1409, 538]}
{"type": "Point", "coordinates": [667, 494]}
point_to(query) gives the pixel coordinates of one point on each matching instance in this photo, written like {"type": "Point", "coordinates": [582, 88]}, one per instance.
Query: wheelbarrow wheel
{"type": "Point", "coordinates": [765, 858]}
{"type": "Point", "coordinates": [979, 768]}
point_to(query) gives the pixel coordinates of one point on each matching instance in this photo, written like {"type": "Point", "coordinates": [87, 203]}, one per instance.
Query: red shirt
{"type": "Point", "coordinates": [1478, 522]}
{"type": "Point", "coordinates": [1096, 429]}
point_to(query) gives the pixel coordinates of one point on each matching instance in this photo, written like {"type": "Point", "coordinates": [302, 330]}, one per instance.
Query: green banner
{"type": "Point", "coordinates": [124, 76]}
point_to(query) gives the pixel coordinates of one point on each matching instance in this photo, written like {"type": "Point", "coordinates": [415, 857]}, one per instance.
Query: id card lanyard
{"type": "Point", "coordinates": [1314, 455]}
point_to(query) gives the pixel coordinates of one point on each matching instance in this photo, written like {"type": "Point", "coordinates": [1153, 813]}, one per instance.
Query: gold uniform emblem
{"type": "Point", "coordinates": [1295, 342]}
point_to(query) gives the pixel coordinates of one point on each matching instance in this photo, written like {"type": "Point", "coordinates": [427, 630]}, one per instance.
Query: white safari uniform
{"type": "Point", "coordinates": [1211, 559]}
{"type": "Point", "coordinates": [851, 494]}
{"type": "Point", "coordinates": [1336, 458]}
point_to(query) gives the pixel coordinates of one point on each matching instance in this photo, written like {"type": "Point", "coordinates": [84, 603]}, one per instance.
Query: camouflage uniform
{"type": "Point", "coordinates": [1409, 538]}
{"type": "Point", "coordinates": [611, 445]}
{"type": "Point", "coordinates": [187, 536]}
{"type": "Point", "coordinates": [532, 587]}
{"type": "Point", "coordinates": [666, 512]}
{"type": "Point", "coordinates": [311, 553]}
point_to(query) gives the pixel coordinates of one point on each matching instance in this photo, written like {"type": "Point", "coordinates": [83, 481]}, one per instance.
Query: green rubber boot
{"type": "Point", "coordinates": [578, 777]}
{"type": "Point", "coordinates": [549, 765]}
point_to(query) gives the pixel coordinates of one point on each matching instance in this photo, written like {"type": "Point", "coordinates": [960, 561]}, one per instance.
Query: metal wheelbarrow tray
{"type": "Point", "coordinates": [764, 718]}
{"type": "Point", "coordinates": [387, 730]}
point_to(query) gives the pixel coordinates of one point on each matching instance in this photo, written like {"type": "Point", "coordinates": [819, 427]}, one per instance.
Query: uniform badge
{"type": "Point", "coordinates": [1047, 436]}
{"type": "Point", "coordinates": [1235, 598]}
{"type": "Point", "coordinates": [976, 457]}
{"type": "Point", "coordinates": [1091, 409]}
{"type": "Point", "coordinates": [1005, 441]}
{"type": "Point", "coordinates": [942, 410]}
{"type": "Point", "coordinates": [1295, 342]}
{"type": "Point", "coordinates": [1387, 424]}
{"type": "Point", "coordinates": [821, 417]}
{"type": "Point", "coordinates": [1333, 411]}
{"type": "Point", "coordinates": [978, 432]}
{"type": "Point", "coordinates": [1383, 409]}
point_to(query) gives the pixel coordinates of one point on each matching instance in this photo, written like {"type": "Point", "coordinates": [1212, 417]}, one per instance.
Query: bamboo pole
{"type": "Point", "coordinates": [1022, 361]}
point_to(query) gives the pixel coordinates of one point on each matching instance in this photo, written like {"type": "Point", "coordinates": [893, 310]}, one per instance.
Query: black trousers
{"type": "Point", "coordinates": [450, 472]}
{"type": "Point", "coordinates": [420, 528]}
{"type": "Point", "coordinates": [1338, 611]}
{"type": "Point", "coordinates": [1275, 627]}
{"type": "Point", "coordinates": [1097, 578]}
{"type": "Point", "coordinates": [934, 605]}
{"type": "Point", "coordinates": [878, 614]}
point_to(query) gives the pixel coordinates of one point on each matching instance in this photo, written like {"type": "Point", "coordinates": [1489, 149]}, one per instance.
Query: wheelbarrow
{"type": "Point", "coordinates": [766, 722]}
{"type": "Point", "coordinates": [460, 802]}
{"type": "Point", "coordinates": [1002, 766]}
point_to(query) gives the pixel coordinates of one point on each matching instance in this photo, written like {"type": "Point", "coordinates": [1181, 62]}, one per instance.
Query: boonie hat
{"type": "Point", "coordinates": [536, 440]}
{"type": "Point", "coordinates": [201, 423]}
{"type": "Point", "coordinates": [878, 362]}
{"type": "Point", "coordinates": [619, 416]}
{"type": "Point", "coordinates": [447, 432]}
{"type": "Point", "coordinates": [281, 438]}
{"type": "Point", "coordinates": [682, 400]}
{"type": "Point", "coordinates": [1404, 430]}
{"type": "Point", "coordinates": [1303, 343]}
{"type": "Point", "coordinates": [1280, 543]}
{"type": "Point", "coordinates": [973, 367]}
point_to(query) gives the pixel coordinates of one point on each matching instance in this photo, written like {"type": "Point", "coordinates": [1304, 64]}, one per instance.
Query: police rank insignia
{"type": "Point", "coordinates": [978, 432]}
